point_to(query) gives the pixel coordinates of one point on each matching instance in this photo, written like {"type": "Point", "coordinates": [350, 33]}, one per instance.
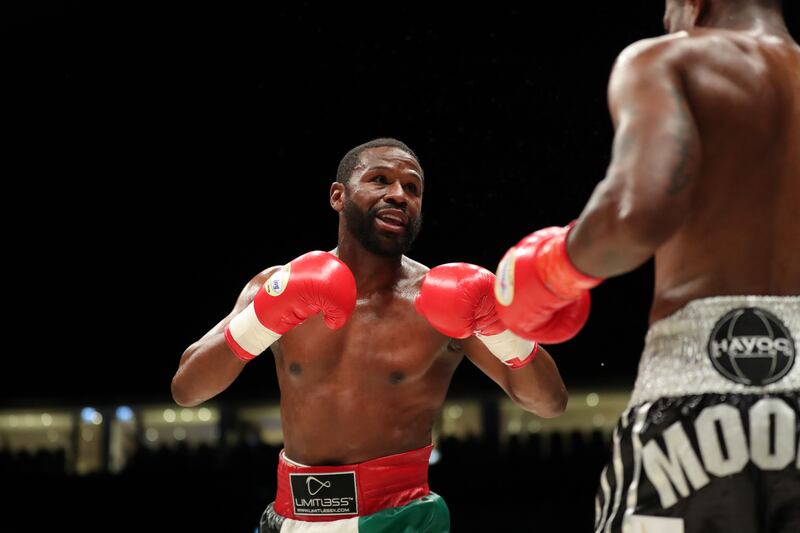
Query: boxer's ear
{"type": "Point", "coordinates": [698, 10]}
{"type": "Point", "coordinates": [337, 196]}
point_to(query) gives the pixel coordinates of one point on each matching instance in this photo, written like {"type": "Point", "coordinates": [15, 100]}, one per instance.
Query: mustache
{"type": "Point", "coordinates": [373, 212]}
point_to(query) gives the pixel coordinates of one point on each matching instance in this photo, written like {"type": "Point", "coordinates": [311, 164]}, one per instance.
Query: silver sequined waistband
{"type": "Point", "coordinates": [722, 344]}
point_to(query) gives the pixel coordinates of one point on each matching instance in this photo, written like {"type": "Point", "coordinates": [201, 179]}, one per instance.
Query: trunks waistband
{"type": "Point", "coordinates": [325, 493]}
{"type": "Point", "coordinates": [722, 344]}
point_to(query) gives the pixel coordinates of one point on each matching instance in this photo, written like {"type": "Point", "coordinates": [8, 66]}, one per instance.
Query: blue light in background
{"type": "Point", "coordinates": [124, 413]}
{"type": "Point", "coordinates": [436, 456]}
{"type": "Point", "coordinates": [88, 414]}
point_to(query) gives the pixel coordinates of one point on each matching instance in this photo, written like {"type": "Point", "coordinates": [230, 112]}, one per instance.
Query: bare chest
{"type": "Point", "coordinates": [384, 341]}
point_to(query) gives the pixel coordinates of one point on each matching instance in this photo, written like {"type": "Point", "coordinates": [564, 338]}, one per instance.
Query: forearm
{"type": "Point", "coordinates": [207, 368]}
{"type": "Point", "coordinates": [537, 387]}
{"type": "Point", "coordinates": [611, 238]}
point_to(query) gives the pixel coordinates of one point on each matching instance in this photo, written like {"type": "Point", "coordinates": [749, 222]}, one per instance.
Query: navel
{"type": "Point", "coordinates": [396, 377]}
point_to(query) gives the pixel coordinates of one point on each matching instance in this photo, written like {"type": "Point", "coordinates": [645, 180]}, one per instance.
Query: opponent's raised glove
{"type": "Point", "coordinates": [540, 294]}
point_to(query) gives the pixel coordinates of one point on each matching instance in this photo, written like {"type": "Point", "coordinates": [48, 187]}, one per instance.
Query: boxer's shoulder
{"type": "Point", "coordinates": [267, 272]}
{"type": "Point", "coordinates": [653, 49]}
{"type": "Point", "coordinates": [261, 278]}
{"type": "Point", "coordinates": [413, 272]}
{"type": "Point", "coordinates": [731, 51]}
{"type": "Point", "coordinates": [252, 287]}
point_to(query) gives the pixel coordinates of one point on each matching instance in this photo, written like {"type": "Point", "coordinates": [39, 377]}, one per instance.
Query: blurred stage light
{"type": "Point", "coordinates": [91, 416]}
{"type": "Point", "coordinates": [455, 411]}
{"type": "Point", "coordinates": [592, 399]}
{"type": "Point", "coordinates": [124, 413]}
{"type": "Point", "coordinates": [435, 457]}
{"type": "Point", "coordinates": [534, 426]}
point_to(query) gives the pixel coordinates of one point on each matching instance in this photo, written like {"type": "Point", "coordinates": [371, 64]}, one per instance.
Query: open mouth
{"type": "Point", "coordinates": [392, 220]}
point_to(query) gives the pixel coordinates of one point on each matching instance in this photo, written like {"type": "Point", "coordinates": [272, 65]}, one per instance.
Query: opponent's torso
{"type": "Point", "coordinates": [742, 235]}
{"type": "Point", "coordinates": [369, 389]}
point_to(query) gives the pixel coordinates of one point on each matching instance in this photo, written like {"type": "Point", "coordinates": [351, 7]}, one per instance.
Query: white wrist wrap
{"type": "Point", "coordinates": [507, 346]}
{"type": "Point", "coordinates": [250, 333]}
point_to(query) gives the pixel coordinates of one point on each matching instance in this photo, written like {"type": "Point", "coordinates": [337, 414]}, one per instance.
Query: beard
{"type": "Point", "coordinates": [361, 225]}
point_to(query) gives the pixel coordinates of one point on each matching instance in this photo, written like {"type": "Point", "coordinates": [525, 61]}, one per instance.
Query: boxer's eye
{"type": "Point", "coordinates": [410, 187]}
{"type": "Point", "coordinates": [380, 179]}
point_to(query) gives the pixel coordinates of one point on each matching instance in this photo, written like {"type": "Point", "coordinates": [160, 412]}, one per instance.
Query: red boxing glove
{"type": "Point", "coordinates": [457, 300]}
{"type": "Point", "coordinates": [314, 282]}
{"type": "Point", "coordinates": [540, 294]}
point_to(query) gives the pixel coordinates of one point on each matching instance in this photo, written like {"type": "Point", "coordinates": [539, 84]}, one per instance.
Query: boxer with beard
{"type": "Point", "coordinates": [365, 342]}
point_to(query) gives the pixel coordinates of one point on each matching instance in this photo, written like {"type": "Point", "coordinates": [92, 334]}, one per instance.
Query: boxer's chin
{"type": "Point", "coordinates": [363, 228]}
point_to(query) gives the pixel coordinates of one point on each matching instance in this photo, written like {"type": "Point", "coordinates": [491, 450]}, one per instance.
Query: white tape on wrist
{"type": "Point", "coordinates": [507, 346]}
{"type": "Point", "coordinates": [250, 333]}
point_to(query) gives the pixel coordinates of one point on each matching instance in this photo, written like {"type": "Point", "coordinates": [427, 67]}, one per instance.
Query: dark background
{"type": "Point", "coordinates": [161, 154]}
{"type": "Point", "coordinates": [172, 152]}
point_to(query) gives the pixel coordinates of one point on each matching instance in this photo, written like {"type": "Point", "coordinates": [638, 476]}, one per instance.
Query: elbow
{"type": "Point", "coordinates": [552, 406]}
{"type": "Point", "coordinates": [645, 220]}
{"type": "Point", "coordinates": [181, 394]}
{"type": "Point", "coordinates": [619, 216]}
{"type": "Point", "coordinates": [183, 399]}
{"type": "Point", "coordinates": [645, 228]}
{"type": "Point", "coordinates": [181, 386]}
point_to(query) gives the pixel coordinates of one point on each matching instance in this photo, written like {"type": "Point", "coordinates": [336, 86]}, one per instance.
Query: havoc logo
{"type": "Point", "coordinates": [751, 346]}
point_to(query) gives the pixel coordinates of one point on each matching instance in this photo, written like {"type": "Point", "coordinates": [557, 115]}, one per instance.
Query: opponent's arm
{"type": "Point", "coordinates": [543, 281]}
{"type": "Point", "coordinates": [649, 184]}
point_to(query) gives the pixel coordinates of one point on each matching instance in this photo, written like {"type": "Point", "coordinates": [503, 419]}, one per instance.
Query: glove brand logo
{"type": "Point", "coordinates": [277, 282]}
{"type": "Point", "coordinates": [751, 346]}
{"type": "Point", "coordinates": [504, 284]}
{"type": "Point", "coordinates": [338, 497]}
{"type": "Point", "coordinates": [314, 485]}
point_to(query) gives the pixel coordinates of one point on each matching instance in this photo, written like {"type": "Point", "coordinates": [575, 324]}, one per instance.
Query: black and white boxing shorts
{"type": "Point", "coordinates": [709, 443]}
